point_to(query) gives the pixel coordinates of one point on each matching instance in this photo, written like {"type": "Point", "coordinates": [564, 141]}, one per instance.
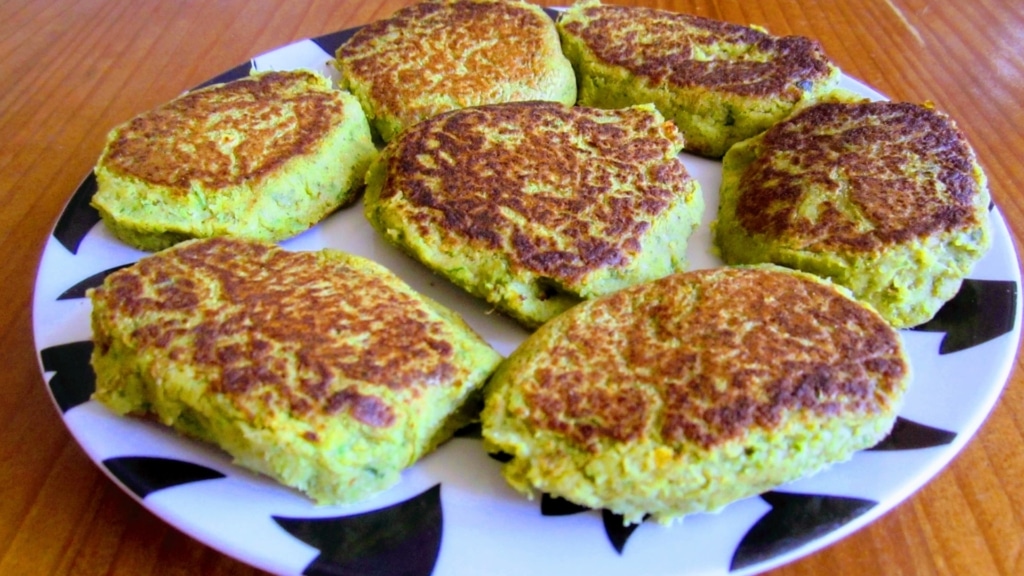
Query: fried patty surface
{"type": "Point", "coordinates": [440, 55]}
{"type": "Point", "coordinates": [320, 369]}
{"type": "Point", "coordinates": [885, 198]}
{"type": "Point", "coordinates": [264, 157]}
{"type": "Point", "coordinates": [687, 393]}
{"type": "Point", "coordinates": [534, 206]}
{"type": "Point", "coordinates": [719, 82]}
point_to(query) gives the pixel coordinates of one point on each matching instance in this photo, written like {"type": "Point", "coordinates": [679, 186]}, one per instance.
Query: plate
{"type": "Point", "coordinates": [453, 514]}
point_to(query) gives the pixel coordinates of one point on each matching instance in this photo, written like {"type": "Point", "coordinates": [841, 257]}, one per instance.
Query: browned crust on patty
{"type": "Point", "coordinates": [540, 182]}
{"type": "Point", "coordinates": [459, 49]}
{"type": "Point", "coordinates": [226, 134]}
{"type": "Point", "coordinates": [884, 173]}
{"type": "Point", "coordinates": [703, 357]}
{"type": "Point", "coordinates": [672, 48]}
{"type": "Point", "coordinates": [280, 331]}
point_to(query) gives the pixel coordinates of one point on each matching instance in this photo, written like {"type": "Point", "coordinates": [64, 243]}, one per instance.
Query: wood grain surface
{"type": "Point", "coordinates": [72, 69]}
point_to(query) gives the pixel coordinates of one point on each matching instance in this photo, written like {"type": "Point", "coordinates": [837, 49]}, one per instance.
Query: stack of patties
{"type": "Point", "coordinates": [320, 369]}
{"type": "Point", "coordinates": [684, 394]}
{"type": "Point", "coordinates": [884, 198]}
{"type": "Point", "coordinates": [719, 82]}
{"type": "Point", "coordinates": [265, 157]}
{"type": "Point", "coordinates": [440, 55]}
{"type": "Point", "coordinates": [535, 206]}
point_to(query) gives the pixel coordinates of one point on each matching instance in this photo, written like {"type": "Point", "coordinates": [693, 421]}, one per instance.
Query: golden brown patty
{"type": "Point", "coordinates": [440, 55]}
{"type": "Point", "coordinates": [535, 205]}
{"type": "Point", "coordinates": [885, 198]}
{"type": "Point", "coordinates": [321, 369]}
{"type": "Point", "coordinates": [232, 110]}
{"type": "Point", "coordinates": [263, 157]}
{"type": "Point", "coordinates": [720, 82]}
{"type": "Point", "coordinates": [686, 393]}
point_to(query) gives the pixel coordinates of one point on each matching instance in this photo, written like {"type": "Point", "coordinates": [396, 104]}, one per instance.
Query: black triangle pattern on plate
{"type": "Point", "coordinates": [402, 539]}
{"type": "Point", "coordinates": [472, 430]}
{"type": "Point", "coordinates": [330, 43]}
{"type": "Point", "coordinates": [794, 520]}
{"type": "Point", "coordinates": [909, 435]}
{"type": "Point", "coordinates": [618, 532]}
{"type": "Point", "coordinates": [144, 475]}
{"type": "Point", "coordinates": [240, 71]}
{"type": "Point", "coordinates": [558, 506]}
{"type": "Point", "coordinates": [78, 290]}
{"type": "Point", "coordinates": [74, 380]}
{"type": "Point", "coordinates": [78, 217]}
{"type": "Point", "coordinates": [503, 457]}
{"type": "Point", "coordinates": [981, 311]}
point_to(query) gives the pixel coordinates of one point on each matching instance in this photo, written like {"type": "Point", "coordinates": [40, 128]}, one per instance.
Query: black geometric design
{"type": "Point", "coordinates": [330, 43]}
{"type": "Point", "coordinates": [78, 217]}
{"type": "Point", "coordinates": [74, 381]}
{"type": "Point", "coordinates": [472, 430]}
{"type": "Point", "coordinates": [794, 520]}
{"type": "Point", "coordinates": [981, 311]}
{"type": "Point", "coordinates": [618, 533]}
{"type": "Point", "coordinates": [240, 71]}
{"type": "Point", "coordinates": [503, 457]}
{"type": "Point", "coordinates": [403, 539]}
{"type": "Point", "coordinates": [144, 475]}
{"type": "Point", "coordinates": [910, 435]}
{"type": "Point", "coordinates": [558, 506]}
{"type": "Point", "coordinates": [78, 290]}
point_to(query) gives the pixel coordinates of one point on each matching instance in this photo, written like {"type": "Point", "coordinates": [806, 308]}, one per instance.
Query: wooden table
{"type": "Point", "coordinates": [73, 69]}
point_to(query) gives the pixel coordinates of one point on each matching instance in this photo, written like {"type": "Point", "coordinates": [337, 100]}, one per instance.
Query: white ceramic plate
{"type": "Point", "coordinates": [453, 514]}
